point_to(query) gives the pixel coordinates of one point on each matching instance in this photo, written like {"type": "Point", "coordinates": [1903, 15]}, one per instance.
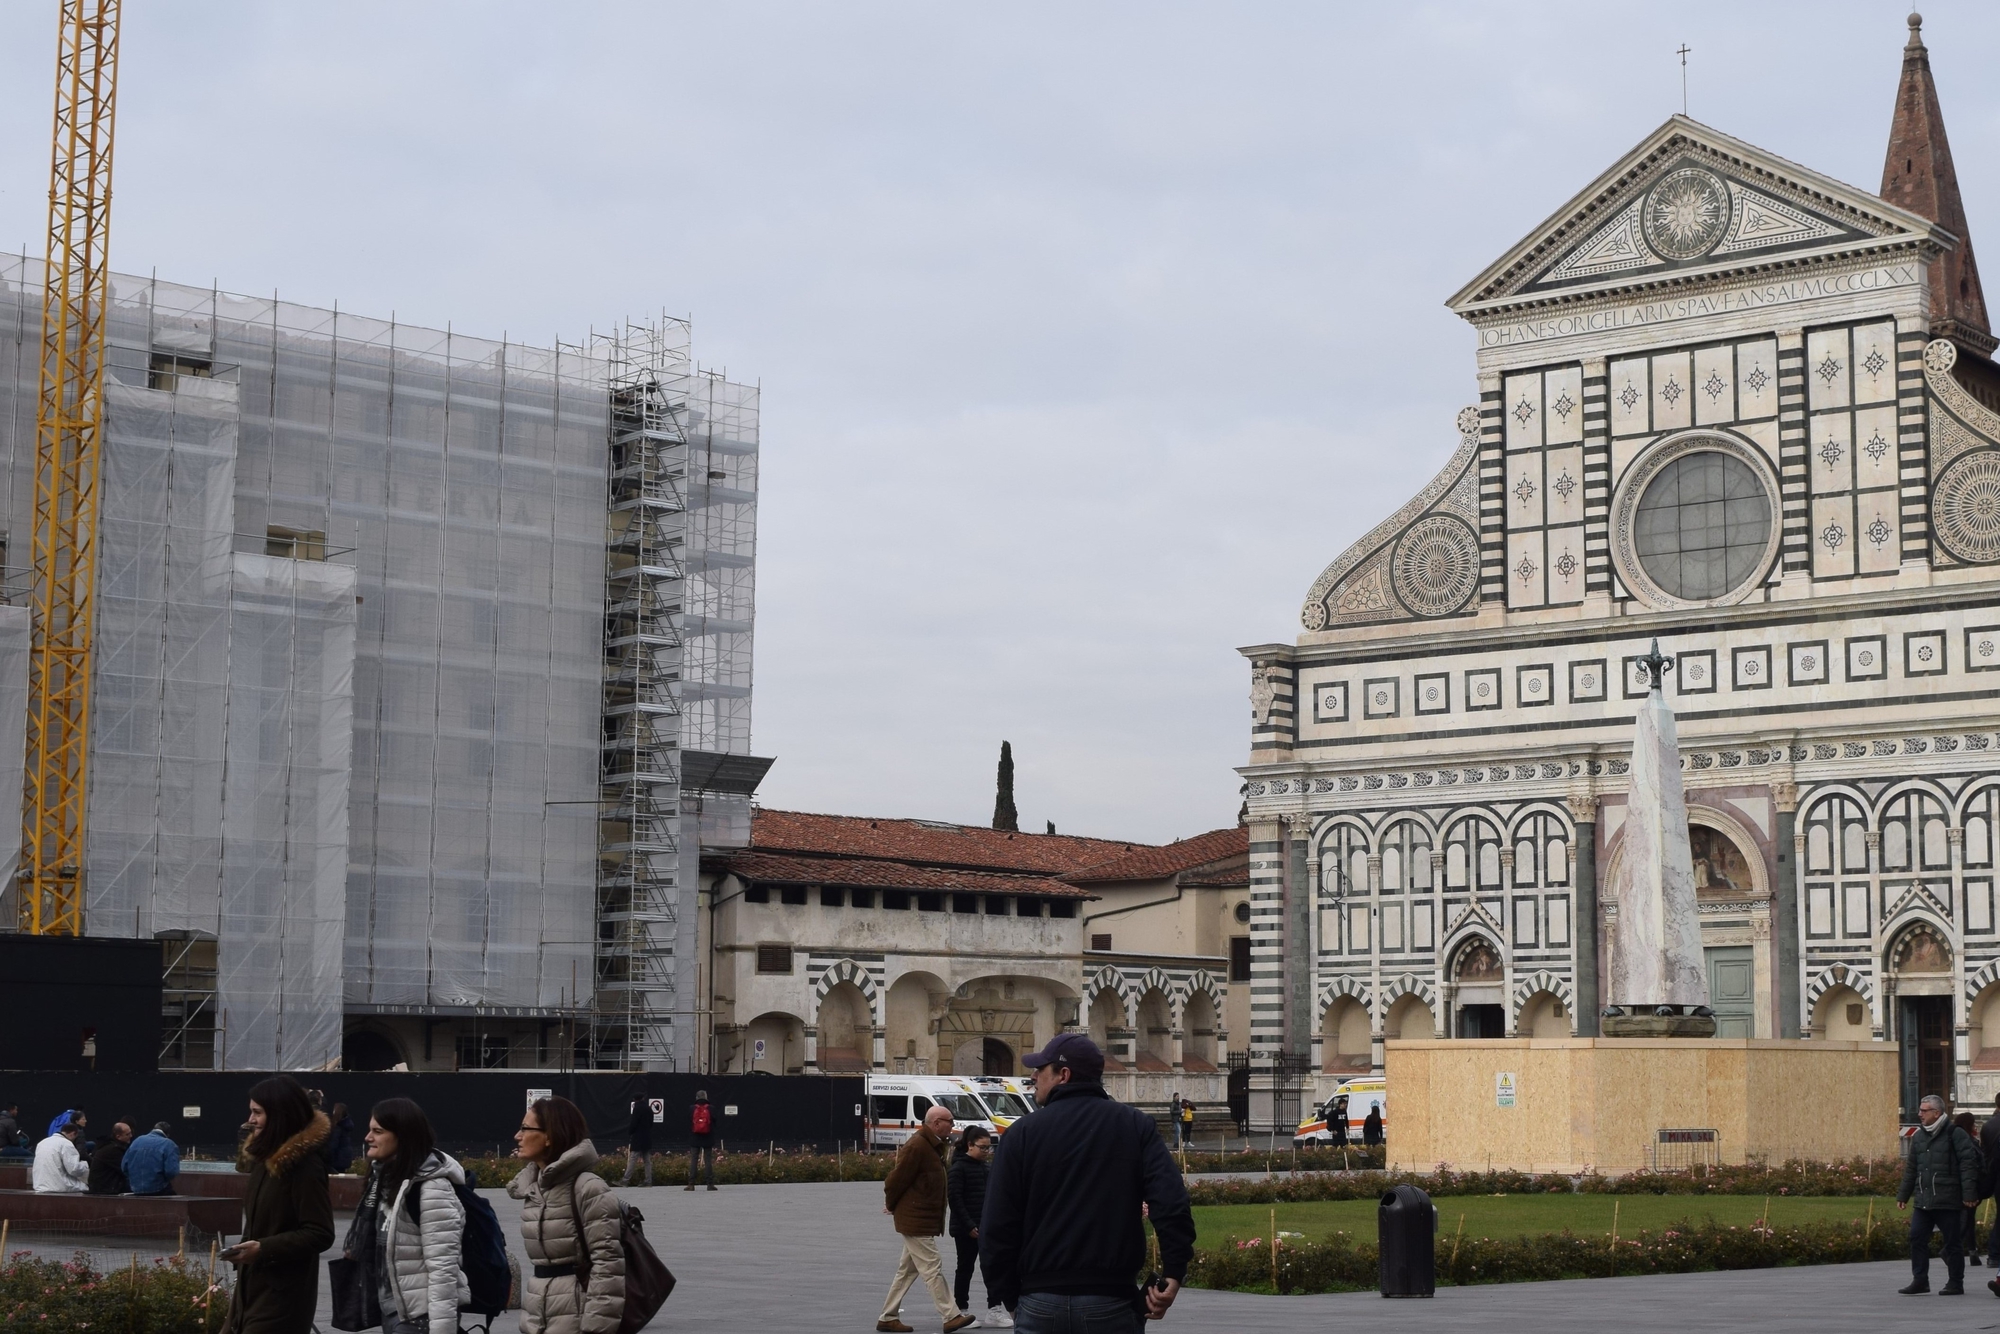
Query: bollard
{"type": "Point", "coordinates": [1406, 1227]}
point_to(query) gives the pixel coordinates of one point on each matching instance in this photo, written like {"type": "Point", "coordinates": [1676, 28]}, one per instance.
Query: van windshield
{"type": "Point", "coordinates": [964, 1107]}
{"type": "Point", "coordinates": [1007, 1104]}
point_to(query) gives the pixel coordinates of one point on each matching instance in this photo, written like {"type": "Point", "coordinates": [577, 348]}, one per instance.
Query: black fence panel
{"type": "Point", "coordinates": [79, 1003]}
{"type": "Point", "coordinates": [471, 1110]}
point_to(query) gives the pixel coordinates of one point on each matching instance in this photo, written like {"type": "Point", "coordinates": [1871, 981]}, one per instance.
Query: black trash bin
{"type": "Point", "coordinates": [1407, 1227]}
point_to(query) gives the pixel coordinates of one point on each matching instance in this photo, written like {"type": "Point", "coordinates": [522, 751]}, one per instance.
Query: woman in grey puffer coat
{"type": "Point", "coordinates": [570, 1226]}
{"type": "Point", "coordinates": [410, 1226]}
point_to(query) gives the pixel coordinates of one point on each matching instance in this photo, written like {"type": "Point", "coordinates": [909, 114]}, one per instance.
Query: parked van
{"type": "Point", "coordinates": [897, 1104]}
{"type": "Point", "coordinates": [1353, 1097]}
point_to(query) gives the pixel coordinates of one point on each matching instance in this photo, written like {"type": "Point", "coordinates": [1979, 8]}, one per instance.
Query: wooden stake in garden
{"type": "Point", "coordinates": [180, 1253]}
{"type": "Point", "coordinates": [3, 1242]}
{"type": "Point", "coordinates": [1614, 1234]}
{"type": "Point", "coordinates": [1868, 1237]}
{"type": "Point", "coordinates": [1765, 1222]}
{"type": "Point", "coordinates": [1456, 1237]}
{"type": "Point", "coordinates": [1274, 1250]}
{"type": "Point", "coordinates": [208, 1295]}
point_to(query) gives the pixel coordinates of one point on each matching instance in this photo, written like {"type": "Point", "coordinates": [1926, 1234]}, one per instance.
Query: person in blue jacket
{"type": "Point", "coordinates": [152, 1161]}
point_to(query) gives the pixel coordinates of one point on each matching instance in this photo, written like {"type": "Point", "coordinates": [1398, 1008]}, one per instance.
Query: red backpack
{"type": "Point", "coordinates": [704, 1120]}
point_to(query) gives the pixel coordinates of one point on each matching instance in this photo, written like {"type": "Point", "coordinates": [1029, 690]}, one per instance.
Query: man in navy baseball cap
{"type": "Point", "coordinates": [1063, 1231]}
{"type": "Point", "coordinates": [1066, 1051]}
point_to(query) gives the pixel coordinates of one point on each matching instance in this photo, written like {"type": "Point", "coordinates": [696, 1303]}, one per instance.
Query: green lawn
{"type": "Point", "coordinates": [1517, 1215]}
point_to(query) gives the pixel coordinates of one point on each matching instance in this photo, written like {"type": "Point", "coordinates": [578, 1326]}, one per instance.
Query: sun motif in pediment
{"type": "Point", "coordinates": [1687, 213]}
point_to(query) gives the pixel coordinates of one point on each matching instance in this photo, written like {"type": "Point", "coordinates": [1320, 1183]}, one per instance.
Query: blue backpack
{"type": "Point", "coordinates": [483, 1255]}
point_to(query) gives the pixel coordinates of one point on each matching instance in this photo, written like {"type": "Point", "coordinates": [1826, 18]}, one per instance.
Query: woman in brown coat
{"type": "Point", "coordinates": [569, 1224]}
{"type": "Point", "coordinates": [287, 1218]}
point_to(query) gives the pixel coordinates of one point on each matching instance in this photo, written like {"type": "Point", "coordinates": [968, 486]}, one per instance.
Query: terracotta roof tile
{"type": "Point", "coordinates": [930, 842]}
{"type": "Point", "coordinates": [777, 869]}
{"type": "Point", "coordinates": [1153, 863]}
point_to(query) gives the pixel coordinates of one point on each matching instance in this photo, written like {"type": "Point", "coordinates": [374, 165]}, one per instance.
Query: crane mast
{"type": "Point", "coordinates": [69, 420]}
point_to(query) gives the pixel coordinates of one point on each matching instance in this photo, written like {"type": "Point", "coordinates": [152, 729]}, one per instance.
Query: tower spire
{"type": "Point", "coordinates": [1918, 176]}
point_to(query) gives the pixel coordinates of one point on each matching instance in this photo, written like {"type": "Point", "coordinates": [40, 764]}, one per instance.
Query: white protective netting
{"type": "Point", "coordinates": [367, 772]}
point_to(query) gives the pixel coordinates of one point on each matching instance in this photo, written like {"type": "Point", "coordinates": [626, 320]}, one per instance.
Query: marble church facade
{"type": "Point", "coordinates": [1748, 411]}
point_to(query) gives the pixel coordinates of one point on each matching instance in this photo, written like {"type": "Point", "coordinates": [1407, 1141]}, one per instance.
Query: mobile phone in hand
{"type": "Point", "coordinates": [232, 1253]}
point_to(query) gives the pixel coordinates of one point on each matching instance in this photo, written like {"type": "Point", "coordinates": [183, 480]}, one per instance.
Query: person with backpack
{"type": "Point", "coordinates": [1968, 1228]}
{"type": "Point", "coordinates": [408, 1232]}
{"type": "Point", "coordinates": [571, 1226]}
{"type": "Point", "coordinates": [703, 1120]}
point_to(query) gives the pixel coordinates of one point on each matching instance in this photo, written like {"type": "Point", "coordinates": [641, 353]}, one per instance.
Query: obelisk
{"type": "Point", "coordinates": [1659, 979]}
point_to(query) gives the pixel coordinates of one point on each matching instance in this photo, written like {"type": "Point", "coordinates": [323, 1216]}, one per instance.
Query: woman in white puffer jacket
{"type": "Point", "coordinates": [410, 1223]}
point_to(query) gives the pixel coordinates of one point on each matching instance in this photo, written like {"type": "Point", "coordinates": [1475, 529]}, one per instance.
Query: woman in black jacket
{"type": "Point", "coordinates": [966, 1192]}
{"type": "Point", "coordinates": [287, 1216]}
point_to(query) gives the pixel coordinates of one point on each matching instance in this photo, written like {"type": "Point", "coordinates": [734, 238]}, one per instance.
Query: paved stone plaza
{"type": "Point", "coordinates": [819, 1256]}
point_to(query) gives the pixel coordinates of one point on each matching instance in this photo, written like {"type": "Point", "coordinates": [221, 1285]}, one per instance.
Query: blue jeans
{"type": "Point", "coordinates": [1048, 1313]}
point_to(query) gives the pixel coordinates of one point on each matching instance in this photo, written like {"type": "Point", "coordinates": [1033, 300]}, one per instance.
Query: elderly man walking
{"type": "Point", "coordinates": [915, 1194]}
{"type": "Point", "coordinates": [1942, 1175]}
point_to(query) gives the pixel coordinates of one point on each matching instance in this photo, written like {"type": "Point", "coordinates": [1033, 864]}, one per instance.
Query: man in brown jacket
{"type": "Point", "coordinates": [915, 1194]}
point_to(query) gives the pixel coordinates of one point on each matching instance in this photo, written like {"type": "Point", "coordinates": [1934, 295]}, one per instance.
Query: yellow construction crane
{"type": "Point", "coordinates": [69, 421]}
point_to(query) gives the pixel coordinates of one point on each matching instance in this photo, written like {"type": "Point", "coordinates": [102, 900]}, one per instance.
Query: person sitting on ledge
{"type": "Point", "coordinates": [152, 1162]}
{"type": "Point", "coordinates": [107, 1164]}
{"type": "Point", "coordinates": [59, 1168]}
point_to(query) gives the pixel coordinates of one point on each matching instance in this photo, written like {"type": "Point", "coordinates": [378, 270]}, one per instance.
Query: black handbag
{"type": "Point", "coordinates": [355, 1305]}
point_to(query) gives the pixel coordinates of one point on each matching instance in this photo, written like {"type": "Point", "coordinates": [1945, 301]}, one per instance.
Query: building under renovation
{"type": "Point", "coordinates": [411, 649]}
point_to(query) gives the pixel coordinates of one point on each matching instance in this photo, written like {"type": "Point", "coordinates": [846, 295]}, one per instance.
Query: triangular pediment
{"type": "Point", "coordinates": [1689, 201]}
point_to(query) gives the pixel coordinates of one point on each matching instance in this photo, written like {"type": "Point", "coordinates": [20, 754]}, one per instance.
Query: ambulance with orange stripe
{"type": "Point", "coordinates": [1353, 1097]}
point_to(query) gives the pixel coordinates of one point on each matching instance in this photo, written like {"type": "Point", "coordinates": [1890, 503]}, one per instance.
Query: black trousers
{"type": "Point", "coordinates": [1947, 1222]}
{"type": "Point", "coordinates": [961, 1283]}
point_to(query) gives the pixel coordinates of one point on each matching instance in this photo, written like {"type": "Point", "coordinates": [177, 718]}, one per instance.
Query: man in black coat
{"type": "Point", "coordinates": [640, 1148]}
{"type": "Point", "coordinates": [1063, 1232]}
{"type": "Point", "coordinates": [107, 1164]}
{"type": "Point", "coordinates": [1989, 1184]}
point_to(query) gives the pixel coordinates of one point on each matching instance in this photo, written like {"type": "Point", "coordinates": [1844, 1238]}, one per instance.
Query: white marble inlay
{"type": "Point", "coordinates": [1657, 957]}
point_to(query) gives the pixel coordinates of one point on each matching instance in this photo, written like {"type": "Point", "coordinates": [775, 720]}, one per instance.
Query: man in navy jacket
{"type": "Point", "coordinates": [1063, 1233]}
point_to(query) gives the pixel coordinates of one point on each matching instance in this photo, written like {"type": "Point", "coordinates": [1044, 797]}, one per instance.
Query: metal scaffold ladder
{"type": "Point", "coordinates": [639, 775]}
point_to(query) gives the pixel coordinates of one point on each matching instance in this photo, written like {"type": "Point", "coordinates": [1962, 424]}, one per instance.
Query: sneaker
{"type": "Point", "coordinates": [887, 1325]}
{"type": "Point", "coordinates": [997, 1318]}
{"type": "Point", "coordinates": [1917, 1285]}
{"type": "Point", "coordinates": [1952, 1290]}
{"type": "Point", "coordinates": [958, 1322]}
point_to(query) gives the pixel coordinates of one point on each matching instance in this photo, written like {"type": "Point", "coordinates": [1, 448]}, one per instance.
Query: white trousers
{"type": "Point", "coordinates": [920, 1259]}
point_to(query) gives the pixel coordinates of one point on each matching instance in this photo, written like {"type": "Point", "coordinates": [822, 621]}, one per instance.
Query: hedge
{"type": "Point", "coordinates": [1343, 1264]}
{"type": "Point", "coordinates": [168, 1296]}
{"type": "Point", "coordinates": [1877, 1177]}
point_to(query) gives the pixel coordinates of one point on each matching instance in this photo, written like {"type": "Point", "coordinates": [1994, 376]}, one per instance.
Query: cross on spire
{"type": "Point", "coordinates": [1683, 54]}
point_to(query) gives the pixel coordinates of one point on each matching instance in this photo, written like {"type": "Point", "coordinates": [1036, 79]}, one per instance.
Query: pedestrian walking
{"type": "Point", "coordinates": [408, 1232]}
{"type": "Point", "coordinates": [1969, 1226]}
{"type": "Point", "coordinates": [107, 1162]}
{"type": "Point", "coordinates": [702, 1121]}
{"type": "Point", "coordinates": [59, 1167]}
{"type": "Point", "coordinates": [340, 1140]}
{"type": "Point", "coordinates": [966, 1194]}
{"type": "Point", "coordinates": [287, 1217]}
{"type": "Point", "coordinates": [570, 1226]}
{"type": "Point", "coordinates": [1186, 1126]}
{"type": "Point", "coordinates": [152, 1162]}
{"type": "Point", "coordinates": [1064, 1230]}
{"type": "Point", "coordinates": [1989, 1186]}
{"type": "Point", "coordinates": [1941, 1177]}
{"type": "Point", "coordinates": [640, 1140]}
{"type": "Point", "coordinates": [1336, 1120]}
{"type": "Point", "coordinates": [1371, 1129]}
{"type": "Point", "coordinates": [915, 1193]}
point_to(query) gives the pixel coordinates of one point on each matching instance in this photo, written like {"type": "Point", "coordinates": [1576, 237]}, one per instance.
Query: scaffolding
{"type": "Point", "coordinates": [644, 586]}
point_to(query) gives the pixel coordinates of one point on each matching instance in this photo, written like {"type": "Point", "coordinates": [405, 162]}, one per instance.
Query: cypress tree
{"type": "Point", "coordinates": [1004, 815]}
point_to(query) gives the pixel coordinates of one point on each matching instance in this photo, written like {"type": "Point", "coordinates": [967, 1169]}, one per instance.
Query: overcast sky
{"type": "Point", "coordinates": [1088, 333]}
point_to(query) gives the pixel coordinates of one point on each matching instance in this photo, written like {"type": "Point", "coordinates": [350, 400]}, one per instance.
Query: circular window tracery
{"type": "Point", "coordinates": [1694, 521]}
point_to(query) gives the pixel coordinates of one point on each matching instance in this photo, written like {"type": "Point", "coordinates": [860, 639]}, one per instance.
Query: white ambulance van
{"type": "Point", "coordinates": [897, 1104]}
{"type": "Point", "coordinates": [1358, 1097]}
